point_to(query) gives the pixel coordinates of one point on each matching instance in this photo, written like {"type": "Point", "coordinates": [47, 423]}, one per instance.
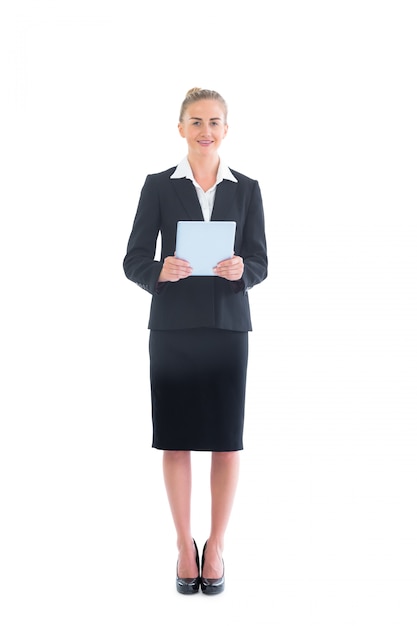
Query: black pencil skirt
{"type": "Point", "coordinates": [198, 384]}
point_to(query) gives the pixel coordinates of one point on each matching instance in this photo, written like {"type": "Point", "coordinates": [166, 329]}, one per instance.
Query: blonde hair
{"type": "Point", "coordinates": [195, 94]}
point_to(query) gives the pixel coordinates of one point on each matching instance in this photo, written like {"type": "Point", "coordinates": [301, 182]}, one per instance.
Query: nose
{"type": "Point", "coordinates": [205, 129]}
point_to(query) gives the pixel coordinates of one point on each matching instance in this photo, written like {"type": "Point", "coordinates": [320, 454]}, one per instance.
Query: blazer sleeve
{"type": "Point", "coordinates": [253, 248]}
{"type": "Point", "coordinates": [139, 263]}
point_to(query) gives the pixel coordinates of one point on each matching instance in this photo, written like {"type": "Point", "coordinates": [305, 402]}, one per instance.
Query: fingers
{"type": "Point", "coordinates": [230, 269]}
{"type": "Point", "coordinates": [174, 269]}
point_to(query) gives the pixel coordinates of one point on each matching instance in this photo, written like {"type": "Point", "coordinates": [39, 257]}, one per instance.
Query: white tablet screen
{"type": "Point", "coordinates": [204, 244]}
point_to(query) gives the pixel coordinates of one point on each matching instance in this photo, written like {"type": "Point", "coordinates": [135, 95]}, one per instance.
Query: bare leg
{"type": "Point", "coordinates": [177, 476]}
{"type": "Point", "coordinates": [224, 478]}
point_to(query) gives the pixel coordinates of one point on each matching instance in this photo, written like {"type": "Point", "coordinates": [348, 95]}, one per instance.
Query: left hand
{"type": "Point", "coordinates": [230, 269]}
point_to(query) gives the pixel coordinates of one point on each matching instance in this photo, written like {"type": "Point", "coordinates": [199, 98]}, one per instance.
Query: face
{"type": "Point", "coordinates": [203, 127]}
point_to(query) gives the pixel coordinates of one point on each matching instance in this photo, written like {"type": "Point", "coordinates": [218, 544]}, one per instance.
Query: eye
{"type": "Point", "coordinates": [196, 123]}
{"type": "Point", "coordinates": [215, 123]}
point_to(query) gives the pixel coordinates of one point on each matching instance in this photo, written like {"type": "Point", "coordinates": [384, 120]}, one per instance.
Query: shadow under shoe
{"type": "Point", "coordinates": [189, 585]}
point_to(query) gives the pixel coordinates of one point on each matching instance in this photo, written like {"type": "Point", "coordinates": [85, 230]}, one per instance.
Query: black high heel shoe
{"type": "Point", "coordinates": [190, 585]}
{"type": "Point", "coordinates": [211, 586]}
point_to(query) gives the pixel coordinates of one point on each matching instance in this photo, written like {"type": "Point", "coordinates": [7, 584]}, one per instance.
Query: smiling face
{"type": "Point", "coordinates": [204, 127]}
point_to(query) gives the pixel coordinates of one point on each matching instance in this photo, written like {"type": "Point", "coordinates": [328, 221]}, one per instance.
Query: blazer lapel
{"type": "Point", "coordinates": [223, 201]}
{"type": "Point", "coordinates": [187, 195]}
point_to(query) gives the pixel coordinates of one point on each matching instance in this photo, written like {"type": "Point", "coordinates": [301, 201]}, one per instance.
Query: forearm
{"type": "Point", "coordinates": [142, 271]}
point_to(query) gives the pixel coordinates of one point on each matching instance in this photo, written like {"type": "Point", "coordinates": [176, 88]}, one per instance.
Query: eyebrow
{"type": "Point", "coordinates": [201, 119]}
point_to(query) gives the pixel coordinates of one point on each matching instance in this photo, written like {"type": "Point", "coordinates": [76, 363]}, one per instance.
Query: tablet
{"type": "Point", "coordinates": [204, 244]}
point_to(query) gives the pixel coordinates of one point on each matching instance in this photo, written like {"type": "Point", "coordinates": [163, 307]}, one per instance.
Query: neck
{"type": "Point", "coordinates": [204, 167]}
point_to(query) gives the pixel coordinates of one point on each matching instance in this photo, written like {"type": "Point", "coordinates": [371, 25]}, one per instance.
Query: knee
{"type": "Point", "coordinates": [176, 455]}
{"type": "Point", "coordinates": [226, 458]}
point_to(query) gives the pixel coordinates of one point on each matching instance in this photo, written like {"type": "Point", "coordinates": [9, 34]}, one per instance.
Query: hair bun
{"type": "Point", "coordinates": [192, 91]}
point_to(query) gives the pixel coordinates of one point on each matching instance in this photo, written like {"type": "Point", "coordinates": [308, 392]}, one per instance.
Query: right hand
{"type": "Point", "coordinates": [174, 269]}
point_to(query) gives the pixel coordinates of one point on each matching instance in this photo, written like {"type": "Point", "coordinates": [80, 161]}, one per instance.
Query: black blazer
{"type": "Point", "coordinates": [196, 301]}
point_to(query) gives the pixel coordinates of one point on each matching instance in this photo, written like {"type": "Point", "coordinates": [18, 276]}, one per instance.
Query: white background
{"type": "Point", "coordinates": [322, 99]}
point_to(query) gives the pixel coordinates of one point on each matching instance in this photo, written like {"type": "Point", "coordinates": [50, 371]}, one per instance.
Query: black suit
{"type": "Point", "coordinates": [196, 301]}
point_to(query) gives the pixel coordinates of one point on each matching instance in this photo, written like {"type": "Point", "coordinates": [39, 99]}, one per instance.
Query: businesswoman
{"type": "Point", "coordinates": [198, 343]}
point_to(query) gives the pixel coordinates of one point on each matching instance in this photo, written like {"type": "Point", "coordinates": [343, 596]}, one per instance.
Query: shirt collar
{"type": "Point", "coordinates": [183, 170]}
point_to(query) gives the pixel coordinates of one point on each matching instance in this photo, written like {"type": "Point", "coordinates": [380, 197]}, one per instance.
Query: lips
{"type": "Point", "coordinates": [205, 143]}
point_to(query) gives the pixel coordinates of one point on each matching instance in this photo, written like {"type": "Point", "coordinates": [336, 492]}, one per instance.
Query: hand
{"type": "Point", "coordinates": [230, 269]}
{"type": "Point", "coordinates": [174, 269]}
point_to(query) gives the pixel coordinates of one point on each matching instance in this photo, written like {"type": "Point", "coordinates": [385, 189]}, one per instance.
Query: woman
{"type": "Point", "coordinates": [199, 326]}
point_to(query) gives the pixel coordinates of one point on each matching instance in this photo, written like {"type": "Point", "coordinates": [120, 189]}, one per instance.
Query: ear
{"type": "Point", "coordinates": [226, 128]}
{"type": "Point", "coordinates": [181, 129]}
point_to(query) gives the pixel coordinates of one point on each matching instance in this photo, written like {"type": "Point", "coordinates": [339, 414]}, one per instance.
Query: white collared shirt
{"type": "Point", "coordinates": [206, 198]}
